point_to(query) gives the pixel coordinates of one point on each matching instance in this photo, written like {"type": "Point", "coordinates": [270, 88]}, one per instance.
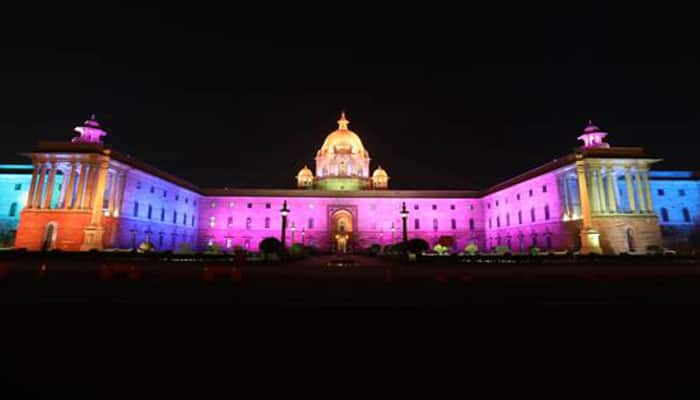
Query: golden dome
{"type": "Point", "coordinates": [305, 173]}
{"type": "Point", "coordinates": [343, 140]}
{"type": "Point", "coordinates": [379, 173]}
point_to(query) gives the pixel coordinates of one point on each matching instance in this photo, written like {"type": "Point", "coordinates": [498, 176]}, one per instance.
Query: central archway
{"type": "Point", "coordinates": [341, 229]}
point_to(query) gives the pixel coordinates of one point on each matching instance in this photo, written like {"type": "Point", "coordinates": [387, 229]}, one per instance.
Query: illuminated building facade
{"type": "Point", "coordinates": [599, 199]}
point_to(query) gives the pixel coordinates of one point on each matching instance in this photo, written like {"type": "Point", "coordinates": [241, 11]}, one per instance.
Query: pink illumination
{"type": "Point", "coordinates": [593, 137]}
{"type": "Point", "coordinates": [90, 132]}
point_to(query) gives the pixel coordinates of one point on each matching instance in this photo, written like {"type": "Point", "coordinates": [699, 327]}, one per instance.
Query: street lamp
{"type": "Point", "coordinates": [303, 236]}
{"type": "Point", "coordinates": [293, 228]}
{"type": "Point", "coordinates": [404, 217]}
{"type": "Point", "coordinates": [284, 212]}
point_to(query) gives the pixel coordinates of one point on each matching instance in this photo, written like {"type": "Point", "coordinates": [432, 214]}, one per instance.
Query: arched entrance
{"type": "Point", "coordinates": [49, 240]}
{"type": "Point", "coordinates": [630, 240]}
{"type": "Point", "coordinates": [341, 229]}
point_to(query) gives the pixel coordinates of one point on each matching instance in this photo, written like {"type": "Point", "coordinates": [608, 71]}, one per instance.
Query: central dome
{"type": "Point", "coordinates": [342, 140]}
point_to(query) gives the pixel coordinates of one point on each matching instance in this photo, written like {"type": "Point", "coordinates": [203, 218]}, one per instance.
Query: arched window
{"type": "Point", "coordinates": [267, 223]}
{"type": "Point", "coordinates": [664, 214]}
{"type": "Point", "coordinates": [686, 215]}
{"type": "Point", "coordinates": [248, 223]}
{"type": "Point", "coordinates": [630, 240]}
{"type": "Point", "coordinates": [416, 224]}
{"type": "Point", "coordinates": [13, 209]}
{"type": "Point", "coordinates": [546, 212]}
{"type": "Point", "coordinates": [471, 224]}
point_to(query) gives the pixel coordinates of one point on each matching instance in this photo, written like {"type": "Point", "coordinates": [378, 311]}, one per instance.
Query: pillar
{"type": "Point", "coordinates": [68, 199]}
{"type": "Point", "coordinates": [595, 199]}
{"type": "Point", "coordinates": [90, 186]}
{"type": "Point", "coordinates": [630, 189]}
{"type": "Point", "coordinates": [647, 190]}
{"type": "Point", "coordinates": [601, 190]}
{"type": "Point", "coordinates": [612, 194]}
{"type": "Point", "coordinates": [590, 239]}
{"type": "Point", "coordinates": [94, 231]}
{"type": "Point", "coordinates": [112, 191]}
{"type": "Point", "coordinates": [569, 200]}
{"type": "Point", "coordinates": [640, 192]}
{"type": "Point", "coordinates": [50, 186]}
{"type": "Point", "coordinates": [36, 201]}
{"type": "Point", "coordinates": [119, 195]}
{"type": "Point", "coordinates": [81, 186]}
{"type": "Point", "coordinates": [32, 186]}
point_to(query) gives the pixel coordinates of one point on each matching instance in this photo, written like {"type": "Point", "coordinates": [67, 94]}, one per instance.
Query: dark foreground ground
{"type": "Point", "coordinates": [371, 330]}
{"type": "Point", "coordinates": [314, 284]}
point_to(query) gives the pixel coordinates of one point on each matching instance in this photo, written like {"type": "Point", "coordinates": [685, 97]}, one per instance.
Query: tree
{"type": "Point", "coordinates": [417, 246]}
{"type": "Point", "coordinates": [471, 249]}
{"type": "Point", "coordinates": [440, 249]}
{"type": "Point", "coordinates": [270, 245]}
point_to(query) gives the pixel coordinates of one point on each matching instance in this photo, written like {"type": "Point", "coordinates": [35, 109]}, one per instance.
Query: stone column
{"type": "Point", "coordinates": [601, 190]}
{"type": "Point", "coordinates": [99, 191]}
{"type": "Point", "coordinates": [32, 186]}
{"type": "Point", "coordinates": [68, 199]}
{"type": "Point", "coordinates": [640, 192]}
{"type": "Point", "coordinates": [90, 186]}
{"type": "Point", "coordinates": [36, 201]}
{"type": "Point", "coordinates": [595, 206]}
{"type": "Point", "coordinates": [647, 190]}
{"type": "Point", "coordinates": [119, 195]}
{"type": "Point", "coordinates": [81, 187]}
{"type": "Point", "coordinates": [590, 239]}
{"type": "Point", "coordinates": [612, 194]}
{"type": "Point", "coordinates": [113, 182]}
{"type": "Point", "coordinates": [569, 200]}
{"type": "Point", "coordinates": [630, 189]}
{"type": "Point", "coordinates": [50, 186]}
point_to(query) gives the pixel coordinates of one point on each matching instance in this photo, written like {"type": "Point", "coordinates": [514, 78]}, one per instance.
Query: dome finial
{"type": "Point", "coordinates": [343, 121]}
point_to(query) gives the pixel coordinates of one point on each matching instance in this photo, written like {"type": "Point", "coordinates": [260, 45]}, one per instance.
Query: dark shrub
{"type": "Point", "coordinates": [270, 245]}
{"type": "Point", "coordinates": [297, 250]}
{"type": "Point", "coordinates": [417, 246]}
{"type": "Point", "coordinates": [375, 249]}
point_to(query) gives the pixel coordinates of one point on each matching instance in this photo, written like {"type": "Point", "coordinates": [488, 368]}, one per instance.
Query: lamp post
{"type": "Point", "coordinates": [303, 236]}
{"type": "Point", "coordinates": [293, 228]}
{"type": "Point", "coordinates": [404, 217]}
{"type": "Point", "coordinates": [284, 212]}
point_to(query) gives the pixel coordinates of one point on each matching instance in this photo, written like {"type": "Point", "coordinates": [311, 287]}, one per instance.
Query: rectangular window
{"type": "Point", "coordinates": [532, 215]}
{"type": "Point", "coordinates": [184, 219]}
{"type": "Point", "coordinates": [660, 192]}
{"type": "Point", "coordinates": [681, 192]}
{"type": "Point", "coordinates": [248, 223]}
{"type": "Point", "coordinates": [454, 223]}
{"type": "Point", "coordinates": [544, 189]}
{"type": "Point", "coordinates": [138, 185]}
{"type": "Point", "coordinates": [174, 217]}
{"type": "Point", "coordinates": [452, 207]}
{"type": "Point", "coordinates": [162, 214]}
{"type": "Point", "coordinates": [153, 189]}
{"type": "Point", "coordinates": [136, 209]}
{"type": "Point", "coordinates": [311, 223]}
{"type": "Point", "coordinates": [165, 193]}
{"type": "Point", "coordinates": [192, 220]}
{"type": "Point", "coordinates": [496, 203]}
{"type": "Point", "coordinates": [530, 192]}
{"type": "Point", "coordinates": [416, 224]}
{"type": "Point", "coordinates": [471, 224]}
{"type": "Point", "coordinates": [267, 223]}
{"type": "Point", "coordinates": [229, 223]}
{"type": "Point", "coordinates": [517, 196]}
{"type": "Point", "coordinates": [177, 197]}
{"type": "Point", "coordinates": [268, 205]}
{"type": "Point", "coordinates": [520, 217]}
{"type": "Point", "coordinates": [13, 210]}
{"type": "Point", "coordinates": [18, 186]}
{"type": "Point", "coordinates": [490, 223]}
{"type": "Point", "coordinates": [434, 206]}
{"type": "Point", "coordinates": [435, 224]}
{"type": "Point", "coordinates": [250, 205]}
{"type": "Point", "coordinates": [415, 206]}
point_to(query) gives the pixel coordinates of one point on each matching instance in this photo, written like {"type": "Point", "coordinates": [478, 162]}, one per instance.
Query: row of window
{"type": "Point", "coordinates": [517, 196]}
{"type": "Point", "coordinates": [533, 217]}
{"type": "Point", "coordinates": [521, 242]}
{"type": "Point", "coordinates": [165, 194]}
{"type": "Point", "coordinates": [149, 215]}
{"type": "Point", "coordinates": [662, 192]}
{"type": "Point", "coordinates": [249, 222]}
{"type": "Point", "coordinates": [232, 204]}
{"type": "Point", "coordinates": [453, 224]}
{"type": "Point", "coordinates": [665, 218]}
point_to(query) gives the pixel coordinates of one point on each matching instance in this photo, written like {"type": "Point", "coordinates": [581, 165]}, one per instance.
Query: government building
{"type": "Point", "coordinates": [81, 195]}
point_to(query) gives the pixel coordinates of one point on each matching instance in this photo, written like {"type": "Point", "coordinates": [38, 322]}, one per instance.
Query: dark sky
{"type": "Point", "coordinates": [441, 98]}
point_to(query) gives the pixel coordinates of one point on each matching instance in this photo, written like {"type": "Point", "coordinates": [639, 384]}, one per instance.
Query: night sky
{"type": "Point", "coordinates": [441, 99]}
